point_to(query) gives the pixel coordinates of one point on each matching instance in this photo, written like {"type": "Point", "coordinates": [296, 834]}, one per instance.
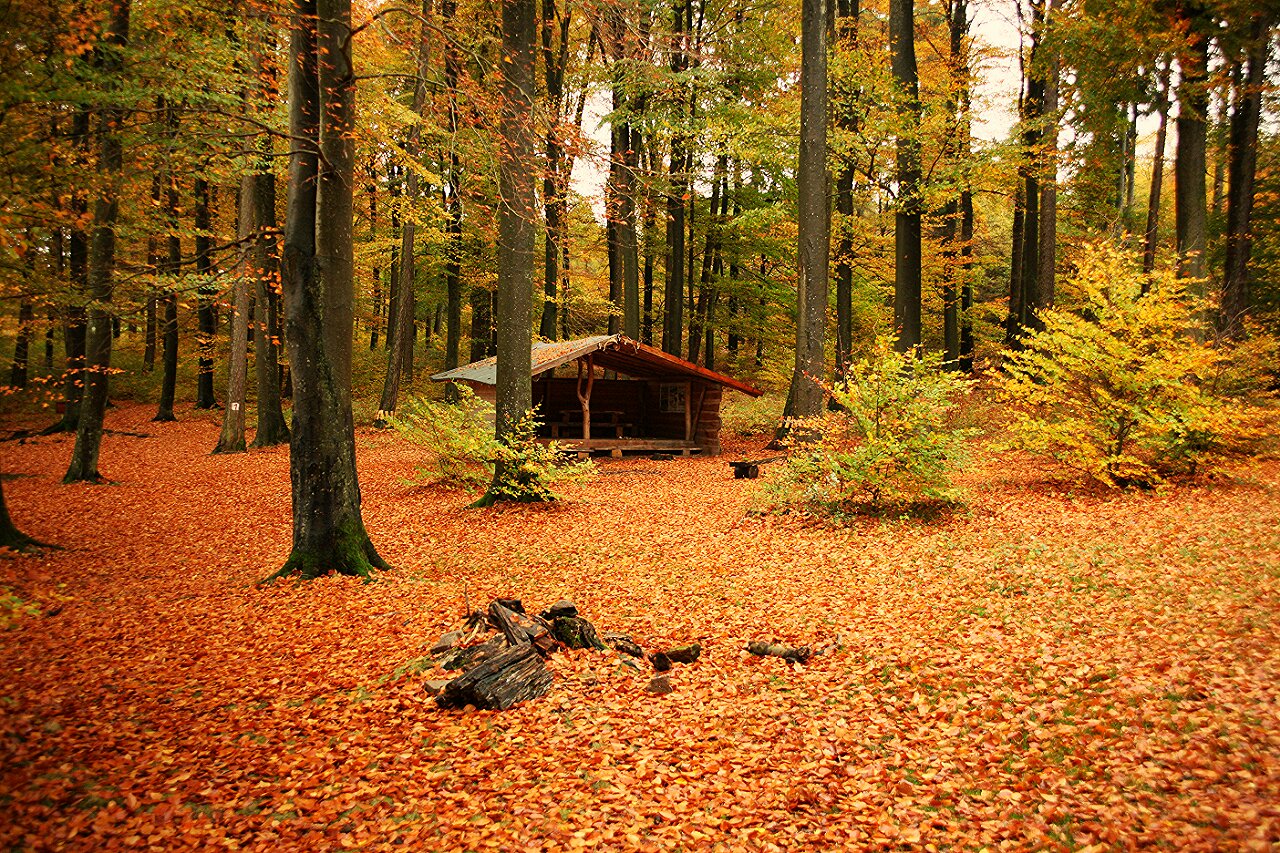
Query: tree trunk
{"type": "Point", "coordinates": [328, 529]}
{"type": "Point", "coordinates": [75, 318]}
{"type": "Point", "coordinates": [1047, 238]}
{"type": "Point", "coordinates": [1242, 169]}
{"type": "Point", "coordinates": [231, 440]}
{"type": "Point", "coordinates": [806, 397]}
{"type": "Point", "coordinates": [966, 283]}
{"type": "Point", "coordinates": [272, 427]}
{"type": "Point", "coordinates": [849, 12]}
{"type": "Point", "coordinates": [1190, 216]}
{"type": "Point", "coordinates": [1013, 321]}
{"type": "Point", "coordinates": [22, 346]}
{"type": "Point", "coordinates": [452, 199]}
{"type": "Point", "coordinates": [907, 253]}
{"type": "Point", "coordinates": [169, 267]}
{"type": "Point", "coordinates": [400, 328]}
{"type": "Point", "coordinates": [673, 290]}
{"type": "Point", "coordinates": [516, 218]}
{"type": "Point", "coordinates": [10, 536]}
{"type": "Point", "coordinates": [1151, 233]}
{"type": "Point", "coordinates": [205, 294]}
{"type": "Point", "coordinates": [102, 257]}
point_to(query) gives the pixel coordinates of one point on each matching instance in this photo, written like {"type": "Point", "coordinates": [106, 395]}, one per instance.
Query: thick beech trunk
{"type": "Point", "coordinates": [272, 427]}
{"type": "Point", "coordinates": [1190, 214]}
{"type": "Point", "coordinates": [517, 215]}
{"type": "Point", "coordinates": [102, 259]}
{"type": "Point", "coordinates": [317, 273]}
{"type": "Point", "coordinates": [1241, 172]}
{"type": "Point", "coordinates": [847, 106]}
{"type": "Point", "coordinates": [673, 289]}
{"type": "Point", "coordinates": [805, 397]}
{"type": "Point", "coordinates": [10, 536]}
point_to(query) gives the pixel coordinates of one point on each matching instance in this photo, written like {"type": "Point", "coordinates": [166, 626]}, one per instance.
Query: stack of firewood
{"type": "Point", "coordinates": [500, 654]}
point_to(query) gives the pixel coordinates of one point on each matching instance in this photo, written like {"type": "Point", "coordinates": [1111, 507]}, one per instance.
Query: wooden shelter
{"type": "Point", "coordinates": [610, 393]}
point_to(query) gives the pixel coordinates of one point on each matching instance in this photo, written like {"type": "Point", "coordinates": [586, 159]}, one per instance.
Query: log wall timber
{"type": "Point", "coordinates": [707, 433]}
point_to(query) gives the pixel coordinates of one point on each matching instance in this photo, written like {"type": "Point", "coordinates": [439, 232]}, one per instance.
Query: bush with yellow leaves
{"type": "Point", "coordinates": [1123, 388]}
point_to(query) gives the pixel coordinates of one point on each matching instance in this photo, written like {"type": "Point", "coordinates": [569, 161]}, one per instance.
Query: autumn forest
{"type": "Point", "coordinates": [639, 424]}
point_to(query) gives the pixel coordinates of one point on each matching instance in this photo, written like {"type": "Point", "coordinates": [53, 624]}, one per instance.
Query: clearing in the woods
{"type": "Point", "coordinates": [1055, 667]}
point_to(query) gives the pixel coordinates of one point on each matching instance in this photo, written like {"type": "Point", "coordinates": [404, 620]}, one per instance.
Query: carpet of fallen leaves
{"type": "Point", "coordinates": [1056, 668]}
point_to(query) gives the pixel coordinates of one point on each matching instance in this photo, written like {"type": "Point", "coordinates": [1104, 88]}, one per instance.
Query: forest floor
{"type": "Point", "coordinates": [1056, 667]}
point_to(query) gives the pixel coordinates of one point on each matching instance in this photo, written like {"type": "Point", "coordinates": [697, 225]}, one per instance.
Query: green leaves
{"type": "Point", "coordinates": [891, 446]}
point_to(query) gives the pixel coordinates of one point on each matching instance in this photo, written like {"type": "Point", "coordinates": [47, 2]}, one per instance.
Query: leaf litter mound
{"type": "Point", "coordinates": [1055, 668]}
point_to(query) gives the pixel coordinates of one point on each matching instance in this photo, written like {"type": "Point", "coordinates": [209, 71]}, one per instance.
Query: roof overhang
{"type": "Point", "coordinates": [612, 352]}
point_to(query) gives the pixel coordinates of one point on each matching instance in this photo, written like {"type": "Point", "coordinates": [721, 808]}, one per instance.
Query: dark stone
{"type": "Point", "coordinates": [563, 607]}
{"type": "Point", "coordinates": [684, 654]}
{"type": "Point", "coordinates": [660, 662]}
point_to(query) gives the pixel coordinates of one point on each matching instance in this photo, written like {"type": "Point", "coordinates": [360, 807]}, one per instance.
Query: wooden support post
{"type": "Point", "coordinates": [584, 396]}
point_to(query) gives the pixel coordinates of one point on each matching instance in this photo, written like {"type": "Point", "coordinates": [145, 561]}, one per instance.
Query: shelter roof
{"type": "Point", "coordinates": [612, 352]}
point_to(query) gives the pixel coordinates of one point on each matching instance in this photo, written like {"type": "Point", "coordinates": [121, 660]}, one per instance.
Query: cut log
{"type": "Point", "coordinates": [472, 655]}
{"type": "Point", "coordinates": [513, 604]}
{"type": "Point", "coordinates": [684, 654]}
{"type": "Point", "coordinates": [519, 627]}
{"type": "Point", "coordinates": [576, 633]}
{"type": "Point", "coordinates": [660, 685]}
{"type": "Point", "coordinates": [623, 643]}
{"type": "Point", "coordinates": [516, 675]}
{"type": "Point", "coordinates": [792, 654]}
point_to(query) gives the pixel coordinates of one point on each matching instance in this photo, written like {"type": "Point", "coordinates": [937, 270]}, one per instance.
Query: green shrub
{"type": "Point", "coordinates": [1122, 388]}
{"type": "Point", "coordinates": [463, 449]}
{"type": "Point", "coordinates": [745, 416]}
{"type": "Point", "coordinates": [891, 445]}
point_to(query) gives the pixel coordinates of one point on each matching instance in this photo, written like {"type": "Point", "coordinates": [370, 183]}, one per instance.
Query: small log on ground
{"type": "Point", "coordinates": [472, 655]}
{"type": "Point", "coordinates": [791, 654]}
{"type": "Point", "coordinates": [447, 642]}
{"type": "Point", "coordinates": [521, 628]}
{"type": "Point", "coordinates": [513, 604]}
{"type": "Point", "coordinates": [576, 633]}
{"type": "Point", "coordinates": [623, 643]}
{"type": "Point", "coordinates": [516, 675]}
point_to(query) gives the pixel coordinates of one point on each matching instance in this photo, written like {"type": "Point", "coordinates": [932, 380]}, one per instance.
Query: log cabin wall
{"type": "Point", "coordinates": [707, 432]}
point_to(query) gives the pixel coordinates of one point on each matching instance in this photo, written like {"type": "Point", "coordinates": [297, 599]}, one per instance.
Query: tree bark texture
{"type": "Point", "coordinates": [205, 293]}
{"type": "Point", "coordinates": [806, 396]}
{"type": "Point", "coordinates": [328, 530]}
{"type": "Point", "coordinates": [907, 226]}
{"type": "Point", "coordinates": [231, 439]}
{"type": "Point", "coordinates": [1189, 204]}
{"type": "Point", "coordinates": [1241, 172]}
{"type": "Point", "coordinates": [400, 328]}
{"type": "Point", "coordinates": [1151, 233]}
{"type": "Point", "coordinates": [516, 217]}
{"type": "Point", "coordinates": [102, 258]}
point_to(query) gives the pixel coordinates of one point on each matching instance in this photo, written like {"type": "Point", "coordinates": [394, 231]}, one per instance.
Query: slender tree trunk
{"type": "Point", "coordinates": [452, 197]}
{"type": "Point", "coordinates": [1150, 235]}
{"type": "Point", "coordinates": [907, 227]}
{"type": "Point", "coordinates": [1190, 215]}
{"type": "Point", "coordinates": [966, 282]}
{"type": "Point", "coordinates": [1013, 322]}
{"type": "Point", "coordinates": [401, 323]}
{"type": "Point", "coordinates": [318, 277]}
{"type": "Point", "coordinates": [516, 218]}
{"type": "Point", "coordinates": [849, 95]}
{"type": "Point", "coordinates": [22, 346]}
{"type": "Point", "coordinates": [75, 316]}
{"type": "Point", "coordinates": [231, 440]}
{"type": "Point", "coordinates": [272, 427]}
{"type": "Point", "coordinates": [102, 257]}
{"type": "Point", "coordinates": [805, 398]}
{"type": "Point", "coordinates": [1242, 170]}
{"type": "Point", "coordinates": [1047, 238]}
{"type": "Point", "coordinates": [205, 293]}
{"type": "Point", "coordinates": [372, 189]}
{"type": "Point", "coordinates": [673, 290]}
